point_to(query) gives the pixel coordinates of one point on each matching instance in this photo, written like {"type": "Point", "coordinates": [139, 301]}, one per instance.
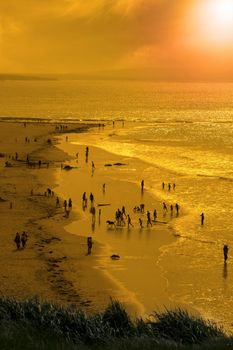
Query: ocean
{"type": "Point", "coordinates": [184, 133]}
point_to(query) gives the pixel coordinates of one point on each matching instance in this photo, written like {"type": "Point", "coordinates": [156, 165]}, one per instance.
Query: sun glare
{"type": "Point", "coordinates": [216, 20]}
{"type": "Point", "coordinates": [222, 11]}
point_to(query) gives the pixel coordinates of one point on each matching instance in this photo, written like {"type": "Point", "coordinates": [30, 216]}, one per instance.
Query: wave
{"type": "Point", "coordinates": [224, 178]}
{"type": "Point", "coordinates": [51, 120]}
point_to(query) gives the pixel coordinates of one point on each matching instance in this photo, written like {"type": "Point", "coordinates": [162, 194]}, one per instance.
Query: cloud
{"type": "Point", "coordinates": [91, 35]}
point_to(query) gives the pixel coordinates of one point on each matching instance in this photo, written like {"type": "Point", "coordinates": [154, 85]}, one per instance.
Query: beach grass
{"type": "Point", "coordinates": [31, 324]}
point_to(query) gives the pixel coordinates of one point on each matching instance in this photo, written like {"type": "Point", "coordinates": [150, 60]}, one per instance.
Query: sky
{"type": "Point", "coordinates": [163, 39]}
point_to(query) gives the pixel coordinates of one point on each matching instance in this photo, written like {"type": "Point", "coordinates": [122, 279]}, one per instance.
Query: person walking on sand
{"type": "Point", "coordinates": [171, 208]}
{"type": "Point", "coordinates": [104, 188]}
{"type": "Point", "coordinates": [65, 204]}
{"type": "Point", "coordinates": [17, 240]}
{"type": "Point", "coordinates": [89, 245]}
{"type": "Point", "coordinates": [155, 214]}
{"type": "Point", "coordinates": [70, 203]}
{"type": "Point", "coordinates": [225, 252]}
{"type": "Point", "coordinates": [163, 185]}
{"type": "Point", "coordinates": [202, 218]}
{"type": "Point", "coordinates": [129, 221]}
{"type": "Point", "coordinates": [148, 219]}
{"type": "Point", "coordinates": [24, 239]}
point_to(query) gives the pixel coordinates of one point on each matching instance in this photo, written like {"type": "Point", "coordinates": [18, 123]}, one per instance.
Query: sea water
{"type": "Point", "coordinates": [183, 131]}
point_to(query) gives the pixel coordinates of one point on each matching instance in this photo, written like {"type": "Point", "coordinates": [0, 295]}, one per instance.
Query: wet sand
{"type": "Point", "coordinates": [175, 270]}
{"type": "Point", "coordinates": [138, 275]}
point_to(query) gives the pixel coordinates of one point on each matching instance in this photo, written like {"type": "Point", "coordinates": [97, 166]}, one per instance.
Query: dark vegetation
{"type": "Point", "coordinates": [33, 325]}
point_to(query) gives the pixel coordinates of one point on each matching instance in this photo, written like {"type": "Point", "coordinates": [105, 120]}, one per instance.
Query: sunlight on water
{"type": "Point", "coordinates": [203, 173]}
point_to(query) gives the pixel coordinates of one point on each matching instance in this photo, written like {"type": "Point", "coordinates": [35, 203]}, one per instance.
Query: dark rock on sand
{"type": "Point", "coordinates": [68, 167]}
{"type": "Point", "coordinates": [115, 257]}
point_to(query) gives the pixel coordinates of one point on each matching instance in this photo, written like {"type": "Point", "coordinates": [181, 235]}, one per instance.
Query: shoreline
{"type": "Point", "coordinates": [53, 266]}
{"type": "Point", "coordinates": [195, 260]}
{"type": "Point", "coordinates": [105, 264]}
{"type": "Point", "coordinates": [44, 267]}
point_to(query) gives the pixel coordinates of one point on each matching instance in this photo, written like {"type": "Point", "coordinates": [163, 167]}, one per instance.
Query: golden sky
{"type": "Point", "coordinates": [166, 39]}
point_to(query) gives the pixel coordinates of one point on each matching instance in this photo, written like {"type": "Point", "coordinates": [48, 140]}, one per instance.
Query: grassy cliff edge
{"type": "Point", "coordinates": [31, 324]}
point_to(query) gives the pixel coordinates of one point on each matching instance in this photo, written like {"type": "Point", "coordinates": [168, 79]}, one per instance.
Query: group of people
{"type": "Point", "coordinates": [60, 127]}
{"type": "Point", "coordinates": [67, 206]}
{"type": "Point", "coordinates": [169, 186]}
{"type": "Point", "coordinates": [21, 239]}
{"type": "Point", "coordinates": [84, 200]}
{"type": "Point", "coordinates": [121, 216]}
{"type": "Point", "coordinates": [176, 206]}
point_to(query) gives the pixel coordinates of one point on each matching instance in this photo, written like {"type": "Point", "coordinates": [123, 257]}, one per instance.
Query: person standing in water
{"type": "Point", "coordinates": [140, 222]}
{"type": "Point", "coordinates": [225, 252]}
{"type": "Point", "coordinates": [142, 185]}
{"type": "Point", "coordinates": [87, 153]}
{"type": "Point", "coordinates": [177, 209]}
{"type": "Point", "coordinates": [148, 219]}
{"type": "Point", "coordinates": [129, 221]}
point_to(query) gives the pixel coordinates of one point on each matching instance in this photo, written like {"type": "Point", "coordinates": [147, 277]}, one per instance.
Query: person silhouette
{"type": "Point", "coordinates": [89, 245]}
{"type": "Point", "coordinates": [24, 239]}
{"type": "Point", "coordinates": [129, 221]}
{"type": "Point", "coordinates": [140, 222]}
{"type": "Point", "coordinates": [142, 185]}
{"type": "Point", "coordinates": [225, 252]}
{"type": "Point", "coordinates": [202, 218]}
{"type": "Point", "coordinates": [17, 240]}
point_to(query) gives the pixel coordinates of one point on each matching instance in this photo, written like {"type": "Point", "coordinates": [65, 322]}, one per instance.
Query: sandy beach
{"type": "Point", "coordinates": [44, 268]}
{"type": "Point", "coordinates": [54, 266]}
